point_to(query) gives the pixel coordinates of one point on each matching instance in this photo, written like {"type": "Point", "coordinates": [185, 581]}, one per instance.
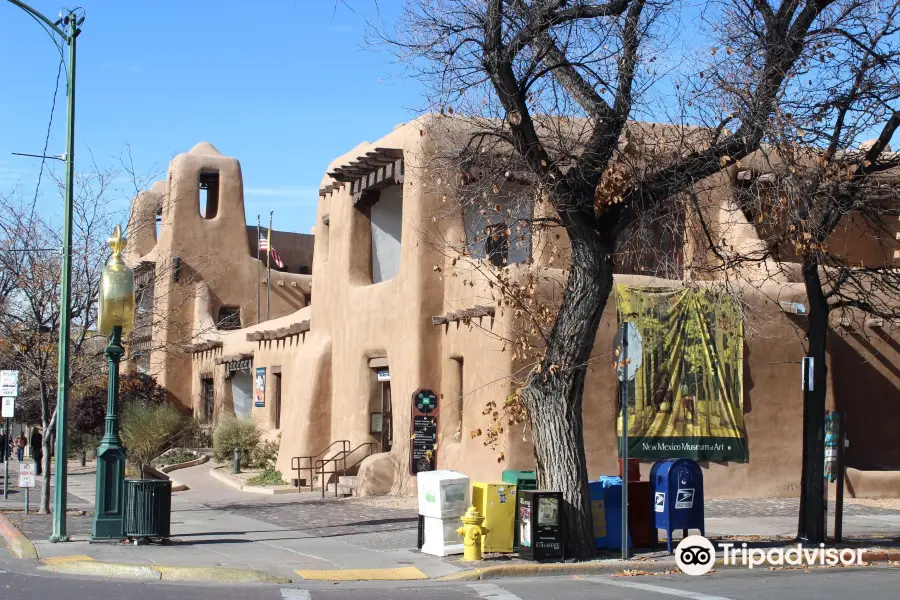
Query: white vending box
{"type": "Point", "coordinates": [444, 496]}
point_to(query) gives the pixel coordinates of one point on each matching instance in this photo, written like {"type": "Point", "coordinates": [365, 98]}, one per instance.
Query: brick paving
{"type": "Point", "coordinates": [40, 527]}
{"type": "Point", "coordinates": [779, 507]}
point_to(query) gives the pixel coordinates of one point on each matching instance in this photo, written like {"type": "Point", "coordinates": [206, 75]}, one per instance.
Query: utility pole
{"type": "Point", "coordinates": [71, 22]}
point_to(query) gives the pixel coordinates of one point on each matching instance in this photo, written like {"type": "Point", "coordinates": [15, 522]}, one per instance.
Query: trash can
{"type": "Point", "coordinates": [606, 511]}
{"type": "Point", "coordinates": [148, 508]}
{"type": "Point", "coordinates": [523, 480]}
{"type": "Point", "coordinates": [443, 499]}
{"type": "Point", "coordinates": [634, 469]}
{"type": "Point", "coordinates": [497, 502]}
{"type": "Point", "coordinates": [677, 496]}
{"type": "Point", "coordinates": [540, 528]}
{"type": "Point", "coordinates": [641, 526]}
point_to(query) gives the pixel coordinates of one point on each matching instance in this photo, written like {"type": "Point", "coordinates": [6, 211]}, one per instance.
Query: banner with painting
{"type": "Point", "coordinates": [687, 399]}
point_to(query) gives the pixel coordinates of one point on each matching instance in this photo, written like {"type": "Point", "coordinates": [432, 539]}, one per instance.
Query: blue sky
{"type": "Point", "coordinates": [282, 85]}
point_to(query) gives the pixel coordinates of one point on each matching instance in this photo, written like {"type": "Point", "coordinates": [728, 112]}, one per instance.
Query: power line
{"type": "Point", "coordinates": [37, 188]}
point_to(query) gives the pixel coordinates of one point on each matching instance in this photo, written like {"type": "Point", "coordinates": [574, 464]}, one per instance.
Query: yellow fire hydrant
{"type": "Point", "coordinates": [472, 533]}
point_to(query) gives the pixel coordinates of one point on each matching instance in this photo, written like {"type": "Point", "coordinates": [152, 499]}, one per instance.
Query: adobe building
{"type": "Point", "coordinates": [197, 273]}
{"type": "Point", "coordinates": [395, 314]}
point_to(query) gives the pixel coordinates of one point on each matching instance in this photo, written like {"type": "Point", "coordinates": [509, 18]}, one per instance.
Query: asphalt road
{"type": "Point", "coordinates": [826, 584]}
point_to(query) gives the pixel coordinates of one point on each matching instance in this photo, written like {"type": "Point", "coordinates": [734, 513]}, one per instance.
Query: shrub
{"type": "Point", "coordinates": [175, 458]}
{"type": "Point", "coordinates": [267, 477]}
{"type": "Point", "coordinates": [232, 433]}
{"type": "Point", "coordinates": [147, 427]}
{"type": "Point", "coordinates": [265, 454]}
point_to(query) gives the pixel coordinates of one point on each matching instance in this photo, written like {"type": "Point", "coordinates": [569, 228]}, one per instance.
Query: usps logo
{"type": "Point", "coordinates": [685, 498]}
{"type": "Point", "coordinates": [659, 502]}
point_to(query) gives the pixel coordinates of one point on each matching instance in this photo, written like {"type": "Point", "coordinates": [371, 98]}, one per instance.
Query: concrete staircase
{"type": "Point", "coordinates": [346, 485]}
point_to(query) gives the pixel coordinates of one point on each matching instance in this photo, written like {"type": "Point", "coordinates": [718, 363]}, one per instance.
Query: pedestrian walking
{"type": "Point", "coordinates": [37, 450]}
{"type": "Point", "coordinates": [21, 442]}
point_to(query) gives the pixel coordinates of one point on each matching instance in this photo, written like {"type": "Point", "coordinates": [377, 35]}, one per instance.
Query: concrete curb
{"type": "Point", "coordinates": [552, 569]}
{"type": "Point", "coordinates": [191, 463]}
{"type": "Point", "coordinates": [250, 488]}
{"type": "Point", "coordinates": [611, 566]}
{"type": "Point", "coordinates": [165, 572]}
{"type": "Point", "coordinates": [18, 542]}
{"type": "Point", "coordinates": [160, 475]}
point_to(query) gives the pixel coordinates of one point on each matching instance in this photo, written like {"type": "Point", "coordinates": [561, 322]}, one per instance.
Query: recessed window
{"type": "Point", "coordinates": [158, 223]}
{"type": "Point", "coordinates": [229, 318]}
{"type": "Point", "coordinates": [209, 194]}
{"type": "Point", "coordinates": [386, 216]}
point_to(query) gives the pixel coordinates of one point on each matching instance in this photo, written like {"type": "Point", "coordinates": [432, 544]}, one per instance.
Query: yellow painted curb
{"type": "Point", "coordinates": [395, 574]}
{"type": "Point", "coordinates": [18, 542]}
{"type": "Point", "coordinates": [58, 560]}
{"type": "Point", "coordinates": [165, 572]}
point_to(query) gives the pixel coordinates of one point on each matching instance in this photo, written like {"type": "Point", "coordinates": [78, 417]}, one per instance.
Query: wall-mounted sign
{"type": "Point", "coordinates": [259, 387]}
{"type": "Point", "coordinates": [423, 452]}
{"type": "Point", "coordinates": [383, 375]}
{"type": "Point", "coordinates": [376, 422]}
{"type": "Point", "coordinates": [239, 365]}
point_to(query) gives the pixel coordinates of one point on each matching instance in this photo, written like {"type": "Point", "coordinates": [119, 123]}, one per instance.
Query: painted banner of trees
{"type": "Point", "coordinates": [686, 400]}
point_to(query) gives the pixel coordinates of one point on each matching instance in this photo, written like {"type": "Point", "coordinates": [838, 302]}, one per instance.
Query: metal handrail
{"type": "Point", "coordinates": [295, 461]}
{"type": "Point", "coordinates": [342, 456]}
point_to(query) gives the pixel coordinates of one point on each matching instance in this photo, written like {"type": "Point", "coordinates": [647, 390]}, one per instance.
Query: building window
{"type": "Point", "coordinates": [209, 194]}
{"type": "Point", "coordinates": [229, 318]}
{"type": "Point", "coordinates": [158, 223]}
{"type": "Point", "coordinates": [208, 398]}
{"type": "Point", "coordinates": [386, 216]}
{"type": "Point", "coordinates": [277, 380]}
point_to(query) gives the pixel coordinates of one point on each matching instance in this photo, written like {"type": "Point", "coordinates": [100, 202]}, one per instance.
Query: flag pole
{"type": "Point", "coordinates": [257, 269]}
{"type": "Point", "coordinates": [269, 264]}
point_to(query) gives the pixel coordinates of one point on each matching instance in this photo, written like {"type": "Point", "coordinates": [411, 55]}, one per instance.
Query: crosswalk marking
{"type": "Point", "coordinates": [491, 591]}
{"type": "Point", "coordinates": [659, 589]}
{"type": "Point", "coordinates": [294, 594]}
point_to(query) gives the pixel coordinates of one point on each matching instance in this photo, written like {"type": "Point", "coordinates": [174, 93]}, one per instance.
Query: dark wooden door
{"type": "Point", "coordinates": [387, 426]}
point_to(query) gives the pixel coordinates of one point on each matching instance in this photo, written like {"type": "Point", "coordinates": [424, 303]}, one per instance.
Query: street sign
{"type": "Point", "coordinates": [9, 383]}
{"type": "Point", "coordinates": [9, 407]}
{"type": "Point", "coordinates": [627, 356]}
{"type": "Point", "coordinates": [26, 475]}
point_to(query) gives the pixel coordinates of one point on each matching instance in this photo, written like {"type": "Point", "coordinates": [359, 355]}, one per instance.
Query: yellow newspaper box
{"type": "Point", "coordinates": [497, 502]}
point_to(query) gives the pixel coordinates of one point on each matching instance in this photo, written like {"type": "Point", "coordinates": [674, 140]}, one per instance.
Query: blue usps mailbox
{"type": "Point", "coordinates": [677, 496]}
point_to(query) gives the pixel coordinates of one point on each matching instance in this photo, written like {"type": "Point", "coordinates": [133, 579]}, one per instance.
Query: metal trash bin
{"type": "Point", "coordinates": [148, 508]}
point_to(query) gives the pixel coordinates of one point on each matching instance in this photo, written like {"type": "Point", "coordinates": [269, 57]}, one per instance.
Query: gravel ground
{"type": "Point", "coordinates": [886, 503]}
{"type": "Point", "coordinates": [398, 502]}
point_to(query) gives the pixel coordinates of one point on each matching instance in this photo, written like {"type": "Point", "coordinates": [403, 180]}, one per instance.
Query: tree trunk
{"type": "Point", "coordinates": [47, 421]}
{"type": "Point", "coordinates": [812, 479]}
{"type": "Point", "coordinates": [553, 396]}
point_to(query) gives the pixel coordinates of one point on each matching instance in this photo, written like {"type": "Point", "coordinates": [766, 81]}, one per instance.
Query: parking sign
{"type": "Point", "coordinates": [9, 407]}
{"type": "Point", "coordinates": [9, 383]}
{"type": "Point", "coordinates": [26, 475]}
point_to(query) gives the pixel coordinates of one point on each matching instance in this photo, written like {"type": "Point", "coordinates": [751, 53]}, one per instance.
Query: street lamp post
{"type": "Point", "coordinates": [71, 22]}
{"type": "Point", "coordinates": [115, 317]}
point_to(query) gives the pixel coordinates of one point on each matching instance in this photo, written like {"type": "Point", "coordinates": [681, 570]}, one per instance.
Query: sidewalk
{"type": "Point", "coordinates": [214, 525]}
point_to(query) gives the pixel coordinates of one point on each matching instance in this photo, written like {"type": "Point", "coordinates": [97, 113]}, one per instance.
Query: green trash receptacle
{"type": "Point", "coordinates": [523, 480]}
{"type": "Point", "coordinates": [148, 508]}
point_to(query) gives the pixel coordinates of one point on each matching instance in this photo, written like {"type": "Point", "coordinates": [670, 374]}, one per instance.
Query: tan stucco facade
{"type": "Point", "coordinates": [378, 283]}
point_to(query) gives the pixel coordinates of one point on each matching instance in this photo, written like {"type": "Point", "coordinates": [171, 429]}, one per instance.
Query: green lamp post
{"type": "Point", "coordinates": [115, 317]}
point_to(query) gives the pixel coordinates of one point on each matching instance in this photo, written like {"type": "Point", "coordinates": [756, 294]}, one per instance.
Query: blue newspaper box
{"type": "Point", "coordinates": [606, 510]}
{"type": "Point", "coordinates": [677, 485]}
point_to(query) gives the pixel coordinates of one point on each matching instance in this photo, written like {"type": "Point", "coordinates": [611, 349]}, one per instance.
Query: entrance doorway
{"type": "Point", "coordinates": [387, 428]}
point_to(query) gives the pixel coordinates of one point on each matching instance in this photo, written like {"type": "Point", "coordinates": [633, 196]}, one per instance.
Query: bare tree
{"type": "Point", "coordinates": [549, 85]}
{"type": "Point", "coordinates": [823, 204]}
{"type": "Point", "coordinates": [29, 322]}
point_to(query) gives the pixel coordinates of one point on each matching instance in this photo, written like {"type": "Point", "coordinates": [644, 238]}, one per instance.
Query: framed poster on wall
{"type": "Point", "coordinates": [259, 387]}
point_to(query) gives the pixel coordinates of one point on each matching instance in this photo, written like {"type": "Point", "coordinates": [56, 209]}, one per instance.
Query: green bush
{"type": "Point", "coordinates": [265, 454]}
{"type": "Point", "coordinates": [147, 427]}
{"type": "Point", "coordinates": [231, 433]}
{"type": "Point", "coordinates": [267, 477]}
{"type": "Point", "coordinates": [175, 458]}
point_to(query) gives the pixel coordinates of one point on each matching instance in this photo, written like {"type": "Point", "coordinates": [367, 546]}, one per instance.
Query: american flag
{"type": "Point", "coordinates": [264, 247]}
